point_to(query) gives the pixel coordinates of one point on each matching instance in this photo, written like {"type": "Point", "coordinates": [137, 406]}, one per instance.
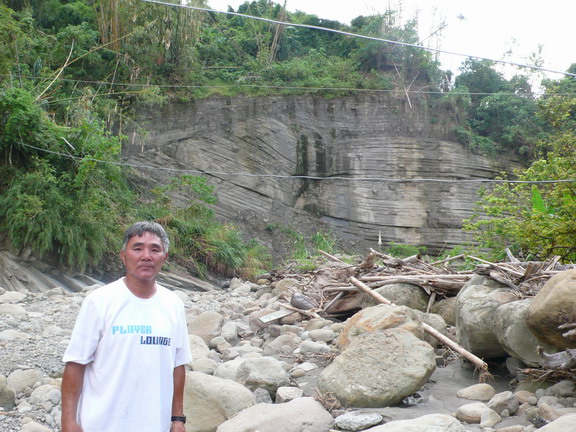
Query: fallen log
{"type": "Point", "coordinates": [479, 363]}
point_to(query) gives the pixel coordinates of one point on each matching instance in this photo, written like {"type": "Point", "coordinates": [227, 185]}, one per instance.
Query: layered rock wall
{"type": "Point", "coordinates": [351, 164]}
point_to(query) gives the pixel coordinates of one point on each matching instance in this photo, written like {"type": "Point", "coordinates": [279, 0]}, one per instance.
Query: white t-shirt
{"type": "Point", "coordinates": [131, 347]}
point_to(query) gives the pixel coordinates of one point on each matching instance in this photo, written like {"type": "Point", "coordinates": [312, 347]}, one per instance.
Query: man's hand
{"type": "Point", "coordinates": [72, 427]}
{"type": "Point", "coordinates": [178, 426]}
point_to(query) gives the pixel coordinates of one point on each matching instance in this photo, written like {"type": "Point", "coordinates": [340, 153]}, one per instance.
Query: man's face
{"type": "Point", "coordinates": [144, 256]}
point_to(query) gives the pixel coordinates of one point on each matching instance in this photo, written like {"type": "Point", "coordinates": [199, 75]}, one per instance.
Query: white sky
{"type": "Point", "coordinates": [486, 28]}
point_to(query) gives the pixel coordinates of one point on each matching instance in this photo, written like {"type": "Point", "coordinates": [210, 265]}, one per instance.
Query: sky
{"type": "Point", "coordinates": [488, 28]}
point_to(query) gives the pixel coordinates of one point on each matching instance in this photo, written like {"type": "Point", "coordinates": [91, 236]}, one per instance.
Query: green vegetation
{"type": "Point", "coordinates": [400, 250]}
{"type": "Point", "coordinates": [537, 220]}
{"type": "Point", "coordinates": [72, 70]}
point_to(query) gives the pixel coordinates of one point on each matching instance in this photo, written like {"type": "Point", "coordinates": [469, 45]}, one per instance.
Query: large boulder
{"type": "Point", "coordinates": [476, 305]}
{"type": "Point", "coordinates": [379, 317]}
{"type": "Point", "coordinates": [378, 369]}
{"type": "Point", "coordinates": [7, 395]}
{"type": "Point", "coordinates": [210, 401]}
{"type": "Point", "coordinates": [426, 423]}
{"type": "Point", "coordinates": [446, 308]}
{"type": "Point", "coordinates": [401, 294]}
{"type": "Point", "coordinates": [207, 325]}
{"type": "Point", "coordinates": [255, 372]}
{"type": "Point", "coordinates": [513, 333]}
{"type": "Point", "coordinates": [299, 415]}
{"type": "Point", "coordinates": [554, 305]}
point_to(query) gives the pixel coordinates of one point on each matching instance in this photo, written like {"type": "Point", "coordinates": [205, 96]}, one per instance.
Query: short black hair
{"type": "Point", "coordinates": [139, 228]}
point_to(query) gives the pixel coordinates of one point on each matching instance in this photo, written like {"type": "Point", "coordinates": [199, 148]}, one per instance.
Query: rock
{"type": "Point", "coordinates": [7, 395]}
{"type": "Point", "coordinates": [264, 372]}
{"type": "Point", "coordinates": [472, 412]}
{"type": "Point", "coordinates": [514, 335]}
{"type": "Point", "coordinates": [20, 380]}
{"type": "Point", "coordinates": [401, 294]}
{"type": "Point", "coordinates": [302, 414]}
{"type": "Point", "coordinates": [476, 305]}
{"type": "Point", "coordinates": [480, 392]}
{"type": "Point", "coordinates": [207, 325]}
{"type": "Point", "coordinates": [554, 305]}
{"type": "Point", "coordinates": [563, 388]}
{"type": "Point", "coordinates": [357, 420]}
{"type": "Point", "coordinates": [562, 424]}
{"type": "Point", "coordinates": [210, 401]}
{"type": "Point", "coordinates": [286, 394]}
{"type": "Point", "coordinates": [426, 423]}
{"type": "Point", "coordinates": [12, 309]}
{"type": "Point", "coordinates": [504, 401]}
{"type": "Point", "coordinates": [379, 317]}
{"type": "Point", "coordinates": [365, 375]}
{"type": "Point", "coordinates": [489, 418]}
{"type": "Point", "coordinates": [12, 297]}
{"type": "Point", "coordinates": [35, 427]}
{"type": "Point", "coordinates": [446, 308]}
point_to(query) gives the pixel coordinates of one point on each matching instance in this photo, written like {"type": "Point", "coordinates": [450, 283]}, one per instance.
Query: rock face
{"type": "Point", "coordinates": [363, 153]}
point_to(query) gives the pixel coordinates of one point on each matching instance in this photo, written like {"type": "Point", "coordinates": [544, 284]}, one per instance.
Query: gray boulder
{"type": "Point", "coordinates": [380, 317]}
{"type": "Point", "coordinates": [554, 305]}
{"type": "Point", "coordinates": [514, 335]}
{"type": "Point", "coordinates": [258, 372]}
{"type": "Point", "coordinates": [476, 305]}
{"type": "Point", "coordinates": [299, 415]}
{"type": "Point", "coordinates": [401, 294]}
{"type": "Point", "coordinates": [378, 369]}
{"type": "Point", "coordinates": [210, 401]}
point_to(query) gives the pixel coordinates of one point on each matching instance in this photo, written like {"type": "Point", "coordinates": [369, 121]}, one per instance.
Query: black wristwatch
{"type": "Point", "coordinates": [178, 418]}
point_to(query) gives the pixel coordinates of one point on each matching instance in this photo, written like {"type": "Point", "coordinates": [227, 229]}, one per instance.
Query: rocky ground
{"type": "Point", "coordinates": [34, 330]}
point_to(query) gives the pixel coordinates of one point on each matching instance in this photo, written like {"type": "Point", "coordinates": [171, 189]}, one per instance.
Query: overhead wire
{"type": "Point", "coordinates": [244, 174]}
{"type": "Point", "coordinates": [374, 38]}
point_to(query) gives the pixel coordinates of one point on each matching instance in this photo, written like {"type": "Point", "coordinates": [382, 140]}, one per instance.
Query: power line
{"type": "Point", "coordinates": [297, 177]}
{"type": "Point", "coordinates": [436, 50]}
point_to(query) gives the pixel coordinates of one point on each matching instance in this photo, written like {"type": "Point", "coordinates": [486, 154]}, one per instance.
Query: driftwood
{"type": "Point", "coordinates": [335, 288]}
{"type": "Point", "coordinates": [563, 360]}
{"type": "Point", "coordinates": [479, 363]}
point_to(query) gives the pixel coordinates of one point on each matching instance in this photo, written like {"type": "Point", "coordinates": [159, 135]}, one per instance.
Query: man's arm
{"type": "Point", "coordinates": [72, 382]}
{"type": "Point", "coordinates": [178, 398]}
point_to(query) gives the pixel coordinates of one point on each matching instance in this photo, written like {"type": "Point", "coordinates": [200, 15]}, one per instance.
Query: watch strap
{"type": "Point", "coordinates": [178, 418]}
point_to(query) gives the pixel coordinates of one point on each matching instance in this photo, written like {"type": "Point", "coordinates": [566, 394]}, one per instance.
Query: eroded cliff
{"type": "Point", "coordinates": [346, 164]}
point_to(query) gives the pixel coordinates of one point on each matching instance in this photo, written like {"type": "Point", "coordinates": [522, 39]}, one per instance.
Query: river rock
{"type": "Point", "coordinates": [298, 415]}
{"type": "Point", "coordinates": [401, 294]}
{"type": "Point", "coordinates": [562, 424]}
{"type": "Point", "coordinates": [446, 308]}
{"type": "Point", "coordinates": [210, 401]}
{"type": "Point", "coordinates": [379, 317]}
{"type": "Point", "coordinates": [357, 420]}
{"type": "Point", "coordinates": [476, 305]}
{"type": "Point", "coordinates": [366, 375]}
{"type": "Point", "coordinates": [20, 380]}
{"type": "Point", "coordinates": [7, 395]}
{"type": "Point", "coordinates": [265, 372]}
{"type": "Point", "coordinates": [480, 392]}
{"type": "Point", "coordinates": [207, 325]}
{"type": "Point", "coordinates": [514, 335]}
{"type": "Point", "coordinates": [426, 423]}
{"type": "Point", "coordinates": [554, 305]}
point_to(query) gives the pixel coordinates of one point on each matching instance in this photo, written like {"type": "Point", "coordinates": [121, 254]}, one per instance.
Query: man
{"type": "Point", "coordinates": [125, 361]}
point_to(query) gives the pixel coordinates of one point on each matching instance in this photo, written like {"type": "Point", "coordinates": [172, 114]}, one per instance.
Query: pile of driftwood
{"type": "Point", "coordinates": [336, 289]}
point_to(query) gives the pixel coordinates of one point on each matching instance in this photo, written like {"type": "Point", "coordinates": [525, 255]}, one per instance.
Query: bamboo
{"type": "Point", "coordinates": [479, 363]}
